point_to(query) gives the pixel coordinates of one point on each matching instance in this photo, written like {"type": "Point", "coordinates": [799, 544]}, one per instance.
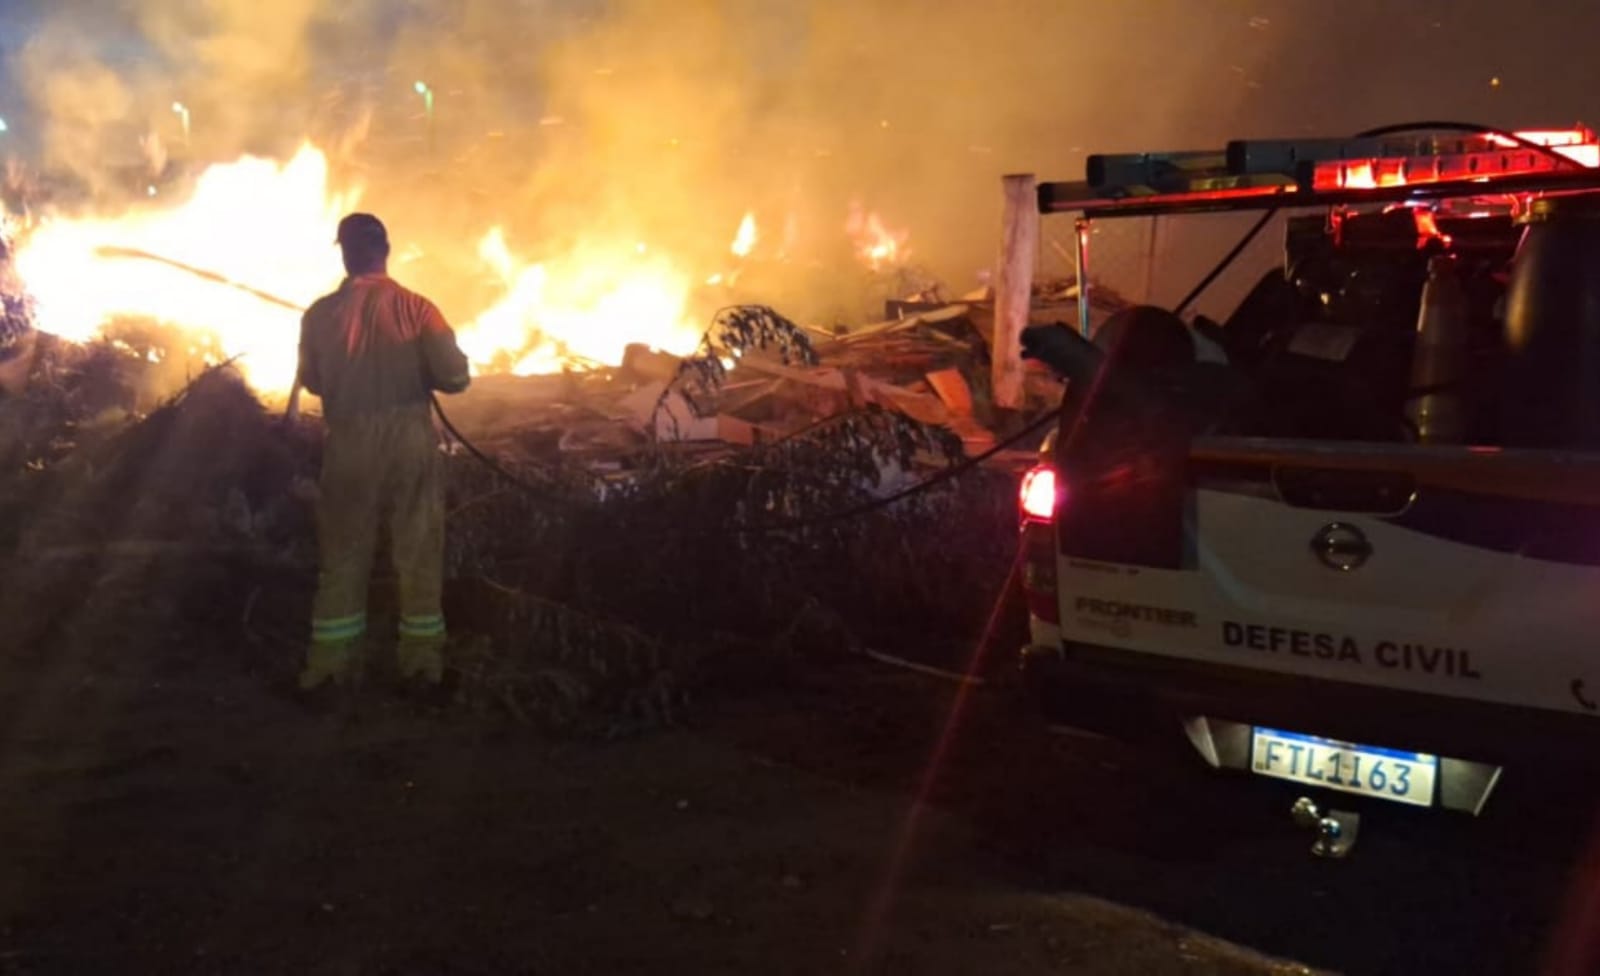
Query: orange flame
{"type": "Point", "coordinates": [879, 246]}
{"type": "Point", "coordinates": [254, 221]}
{"type": "Point", "coordinates": [584, 307]}
{"type": "Point", "coordinates": [266, 227]}
{"type": "Point", "coordinates": [744, 241]}
{"type": "Point", "coordinates": [270, 226]}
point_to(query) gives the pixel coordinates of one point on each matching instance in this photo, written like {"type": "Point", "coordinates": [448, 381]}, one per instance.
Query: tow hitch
{"type": "Point", "coordinates": [1336, 830]}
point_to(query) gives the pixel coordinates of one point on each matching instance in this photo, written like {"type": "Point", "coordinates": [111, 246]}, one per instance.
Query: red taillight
{"type": "Point", "coordinates": [1037, 498]}
{"type": "Point", "coordinates": [1038, 494]}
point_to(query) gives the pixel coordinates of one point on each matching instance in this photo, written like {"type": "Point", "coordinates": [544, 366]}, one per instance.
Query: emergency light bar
{"type": "Point", "coordinates": [1578, 144]}
{"type": "Point", "coordinates": [1258, 174]}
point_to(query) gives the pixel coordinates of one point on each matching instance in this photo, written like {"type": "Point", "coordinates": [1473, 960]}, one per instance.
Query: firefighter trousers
{"type": "Point", "coordinates": [380, 472]}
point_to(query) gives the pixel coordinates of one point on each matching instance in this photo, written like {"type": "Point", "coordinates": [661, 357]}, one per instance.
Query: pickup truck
{"type": "Point", "coordinates": [1360, 554]}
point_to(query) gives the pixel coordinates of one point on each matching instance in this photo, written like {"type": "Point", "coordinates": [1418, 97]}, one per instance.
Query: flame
{"type": "Point", "coordinates": [254, 220]}
{"type": "Point", "coordinates": [585, 306]}
{"type": "Point", "coordinates": [259, 226]}
{"type": "Point", "coordinates": [879, 246]}
{"type": "Point", "coordinates": [260, 234]}
{"type": "Point", "coordinates": [745, 240]}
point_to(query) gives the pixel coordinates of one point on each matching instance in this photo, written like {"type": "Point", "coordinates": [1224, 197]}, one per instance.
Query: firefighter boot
{"type": "Point", "coordinates": [336, 662]}
{"type": "Point", "coordinates": [421, 659]}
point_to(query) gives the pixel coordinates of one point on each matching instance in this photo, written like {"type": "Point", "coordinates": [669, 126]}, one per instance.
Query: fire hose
{"type": "Point", "coordinates": [1032, 429]}
{"type": "Point", "coordinates": [293, 410]}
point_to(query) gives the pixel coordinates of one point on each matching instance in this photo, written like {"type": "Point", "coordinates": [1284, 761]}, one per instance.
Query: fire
{"type": "Point", "coordinates": [879, 246]}
{"type": "Point", "coordinates": [229, 267]}
{"type": "Point", "coordinates": [255, 221]}
{"type": "Point", "coordinates": [585, 306]}
{"type": "Point", "coordinates": [744, 241]}
{"type": "Point", "coordinates": [260, 234]}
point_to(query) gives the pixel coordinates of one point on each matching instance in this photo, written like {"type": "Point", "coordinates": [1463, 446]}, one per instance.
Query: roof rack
{"type": "Point", "coordinates": [1269, 174]}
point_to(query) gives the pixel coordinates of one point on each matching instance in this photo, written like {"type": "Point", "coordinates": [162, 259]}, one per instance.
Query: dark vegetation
{"type": "Point", "coordinates": [602, 605]}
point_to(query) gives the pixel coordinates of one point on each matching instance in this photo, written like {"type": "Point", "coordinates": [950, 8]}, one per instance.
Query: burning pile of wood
{"type": "Point", "coordinates": [769, 423]}
{"type": "Point", "coordinates": [930, 362]}
{"type": "Point", "coordinates": [613, 603]}
{"type": "Point", "coordinates": [16, 324]}
{"type": "Point", "coordinates": [609, 602]}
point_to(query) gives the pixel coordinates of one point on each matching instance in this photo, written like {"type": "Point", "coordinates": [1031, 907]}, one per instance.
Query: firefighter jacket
{"type": "Point", "coordinates": [374, 346]}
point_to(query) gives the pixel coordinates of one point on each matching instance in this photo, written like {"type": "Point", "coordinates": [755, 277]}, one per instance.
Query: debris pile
{"type": "Point", "coordinates": [17, 336]}
{"type": "Point", "coordinates": [198, 520]}
{"type": "Point", "coordinates": [637, 531]}
{"type": "Point", "coordinates": [930, 363]}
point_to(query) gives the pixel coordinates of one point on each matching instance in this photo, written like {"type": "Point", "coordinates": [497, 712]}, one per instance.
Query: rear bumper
{"type": "Point", "coordinates": [1140, 697]}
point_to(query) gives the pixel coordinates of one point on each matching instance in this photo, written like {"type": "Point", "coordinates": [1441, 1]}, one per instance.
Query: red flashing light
{"type": "Point", "coordinates": [1356, 176]}
{"type": "Point", "coordinates": [1038, 497]}
{"type": "Point", "coordinates": [1038, 494]}
{"type": "Point", "coordinates": [1552, 137]}
{"type": "Point", "coordinates": [1510, 158]}
{"type": "Point", "coordinates": [1578, 145]}
{"type": "Point", "coordinates": [1568, 142]}
{"type": "Point", "coordinates": [1250, 174]}
{"type": "Point", "coordinates": [1587, 154]}
{"type": "Point", "coordinates": [1428, 229]}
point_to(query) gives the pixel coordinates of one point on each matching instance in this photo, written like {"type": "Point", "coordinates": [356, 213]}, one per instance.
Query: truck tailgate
{"type": "Point", "coordinates": [1445, 571]}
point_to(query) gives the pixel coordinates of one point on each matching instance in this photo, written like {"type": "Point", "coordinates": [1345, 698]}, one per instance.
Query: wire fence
{"type": "Point", "coordinates": [1157, 260]}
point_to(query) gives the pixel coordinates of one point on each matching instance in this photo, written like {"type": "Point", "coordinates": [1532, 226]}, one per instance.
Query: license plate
{"type": "Point", "coordinates": [1391, 774]}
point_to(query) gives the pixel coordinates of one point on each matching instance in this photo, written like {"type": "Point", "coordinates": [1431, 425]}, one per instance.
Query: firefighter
{"type": "Point", "coordinates": [374, 352]}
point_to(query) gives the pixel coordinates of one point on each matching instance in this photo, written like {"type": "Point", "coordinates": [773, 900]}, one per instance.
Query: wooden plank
{"type": "Point", "coordinates": [922, 407]}
{"type": "Point", "coordinates": [1019, 245]}
{"type": "Point", "coordinates": [732, 430]}
{"type": "Point", "coordinates": [646, 364]}
{"type": "Point", "coordinates": [951, 387]}
{"type": "Point", "coordinates": [975, 438]}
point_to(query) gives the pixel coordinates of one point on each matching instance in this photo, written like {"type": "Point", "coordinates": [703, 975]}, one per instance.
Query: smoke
{"type": "Point", "coordinates": [632, 120]}
{"type": "Point", "coordinates": [111, 89]}
{"type": "Point", "coordinates": [579, 124]}
{"type": "Point", "coordinates": [83, 97]}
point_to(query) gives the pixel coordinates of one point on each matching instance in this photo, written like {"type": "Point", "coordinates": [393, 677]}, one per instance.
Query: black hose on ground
{"type": "Point", "coordinates": [543, 494]}
{"type": "Point", "coordinates": [1034, 427]}
{"type": "Point", "coordinates": [546, 495]}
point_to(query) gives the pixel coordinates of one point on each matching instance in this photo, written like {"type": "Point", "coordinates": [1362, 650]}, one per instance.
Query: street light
{"type": "Point", "coordinates": [182, 112]}
{"type": "Point", "coordinates": [421, 88]}
{"type": "Point", "coordinates": [3, 127]}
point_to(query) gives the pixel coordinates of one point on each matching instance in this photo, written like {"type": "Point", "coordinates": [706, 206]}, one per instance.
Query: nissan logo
{"type": "Point", "coordinates": [1341, 546]}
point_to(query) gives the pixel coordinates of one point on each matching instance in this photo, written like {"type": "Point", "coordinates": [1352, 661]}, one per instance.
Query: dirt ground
{"type": "Point", "coordinates": [169, 806]}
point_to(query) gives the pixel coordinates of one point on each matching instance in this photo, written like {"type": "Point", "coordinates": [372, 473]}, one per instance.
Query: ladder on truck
{"type": "Point", "coordinates": [1398, 165]}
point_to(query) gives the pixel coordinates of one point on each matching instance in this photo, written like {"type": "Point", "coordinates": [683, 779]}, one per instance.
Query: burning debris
{"type": "Point", "coordinates": [230, 261]}
{"type": "Point", "coordinates": [588, 595]}
{"type": "Point", "coordinates": [758, 379]}
{"type": "Point", "coordinates": [627, 443]}
{"type": "Point", "coordinates": [16, 322]}
{"type": "Point", "coordinates": [599, 320]}
{"type": "Point", "coordinates": [630, 482]}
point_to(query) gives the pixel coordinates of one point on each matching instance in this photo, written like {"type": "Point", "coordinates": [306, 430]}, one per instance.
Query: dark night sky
{"type": "Point", "coordinates": [1342, 66]}
{"type": "Point", "coordinates": [1314, 65]}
